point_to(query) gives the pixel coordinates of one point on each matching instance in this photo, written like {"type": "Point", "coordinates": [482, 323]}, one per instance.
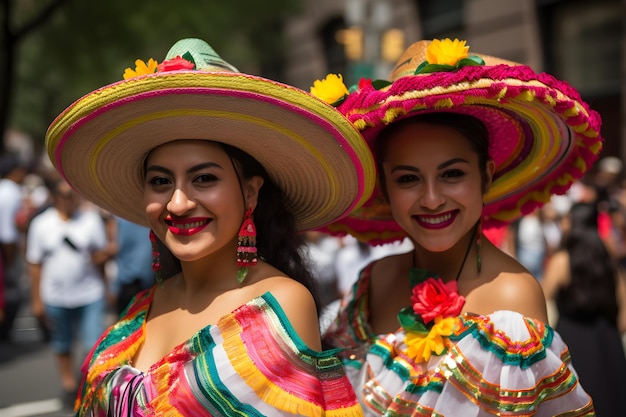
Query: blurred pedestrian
{"type": "Point", "coordinates": [590, 297]}
{"type": "Point", "coordinates": [322, 250]}
{"type": "Point", "coordinates": [527, 242]}
{"type": "Point", "coordinates": [133, 262]}
{"type": "Point", "coordinates": [12, 173]}
{"type": "Point", "coordinates": [611, 220]}
{"type": "Point", "coordinates": [2, 302]}
{"type": "Point", "coordinates": [67, 286]}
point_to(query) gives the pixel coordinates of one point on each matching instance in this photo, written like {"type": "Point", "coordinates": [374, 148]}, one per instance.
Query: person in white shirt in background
{"type": "Point", "coordinates": [12, 173]}
{"type": "Point", "coordinates": [65, 249]}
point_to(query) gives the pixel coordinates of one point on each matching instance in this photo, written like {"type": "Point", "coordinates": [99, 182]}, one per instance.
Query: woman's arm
{"type": "Point", "coordinates": [556, 274]}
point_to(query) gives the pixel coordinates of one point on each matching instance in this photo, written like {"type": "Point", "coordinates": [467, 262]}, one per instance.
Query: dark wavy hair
{"type": "Point", "coordinates": [470, 127]}
{"type": "Point", "coordinates": [591, 292]}
{"type": "Point", "coordinates": [278, 241]}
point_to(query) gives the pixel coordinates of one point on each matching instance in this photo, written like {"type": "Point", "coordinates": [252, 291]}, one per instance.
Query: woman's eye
{"type": "Point", "coordinates": [407, 178]}
{"type": "Point", "coordinates": [205, 178]}
{"type": "Point", "coordinates": [453, 173]}
{"type": "Point", "coordinates": [158, 181]}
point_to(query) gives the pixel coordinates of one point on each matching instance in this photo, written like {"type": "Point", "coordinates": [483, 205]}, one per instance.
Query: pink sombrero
{"type": "Point", "coordinates": [542, 135]}
{"type": "Point", "coordinates": [308, 148]}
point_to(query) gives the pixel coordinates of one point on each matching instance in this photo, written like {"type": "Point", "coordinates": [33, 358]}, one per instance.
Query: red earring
{"type": "Point", "coordinates": [156, 259]}
{"type": "Point", "coordinates": [246, 249]}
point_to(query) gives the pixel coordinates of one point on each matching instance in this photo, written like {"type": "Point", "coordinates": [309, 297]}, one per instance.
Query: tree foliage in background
{"type": "Point", "coordinates": [75, 46]}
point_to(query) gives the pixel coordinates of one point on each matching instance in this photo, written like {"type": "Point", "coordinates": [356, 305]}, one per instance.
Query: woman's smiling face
{"type": "Point", "coordinates": [194, 201]}
{"type": "Point", "coordinates": [434, 183]}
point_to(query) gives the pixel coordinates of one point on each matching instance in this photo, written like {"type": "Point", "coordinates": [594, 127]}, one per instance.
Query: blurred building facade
{"type": "Point", "coordinates": [580, 41]}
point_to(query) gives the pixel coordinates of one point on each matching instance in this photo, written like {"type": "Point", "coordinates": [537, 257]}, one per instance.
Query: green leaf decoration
{"type": "Point", "coordinates": [339, 101]}
{"type": "Point", "coordinates": [426, 68]}
{"type": "Point", "coordinates": [378, 84]}
{"type": "Point", "coordinates": [187, 56]}
{"type": "Point", "coordinates": [411, 322]}
{"type": "Point", "coordinates": [470, 61]}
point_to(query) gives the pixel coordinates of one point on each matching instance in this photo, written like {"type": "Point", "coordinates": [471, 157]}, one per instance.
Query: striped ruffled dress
{"type": "Point", "coordinates": [251, 363]}
{"type": "Point", "coordinates": [501, 364]}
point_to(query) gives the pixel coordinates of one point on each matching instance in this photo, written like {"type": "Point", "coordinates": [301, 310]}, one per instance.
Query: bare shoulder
{"type": "Point", "coordinates": [299, 306]}
{"type": "Point", "coordinates": [521, 292]}
{"type": "Point", "coordinates": [507, 285]}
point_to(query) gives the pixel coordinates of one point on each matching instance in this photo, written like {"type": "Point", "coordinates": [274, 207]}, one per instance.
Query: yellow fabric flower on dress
{"type": "Point", "coordinates": [422, 346]}
{"type": "Point", "coordinates": [446, 51]}
{"type": "Point", "coordinates": [330, 89]}
{"type": "Point", "coordinates": [141, 68]}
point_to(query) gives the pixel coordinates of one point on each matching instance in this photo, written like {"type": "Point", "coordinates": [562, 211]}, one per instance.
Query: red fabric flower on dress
{"type": "Point", "coordinates": [433, 298]}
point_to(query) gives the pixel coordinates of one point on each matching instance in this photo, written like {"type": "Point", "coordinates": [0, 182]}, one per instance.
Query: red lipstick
{"type": "Point", "coordinates": [187, 227]}
{"type": "Point", "coordinates": [436, 221]}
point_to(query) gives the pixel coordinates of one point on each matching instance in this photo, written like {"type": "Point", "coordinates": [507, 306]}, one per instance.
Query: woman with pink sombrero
{"type": "Point", "coordinates": [225, 168]}
{"type": "Point", "coordinates": [456, 327]}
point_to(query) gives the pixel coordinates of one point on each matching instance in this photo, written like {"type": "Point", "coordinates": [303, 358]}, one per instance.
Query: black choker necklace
{"type": "Point", "coordinates": [467, 251]}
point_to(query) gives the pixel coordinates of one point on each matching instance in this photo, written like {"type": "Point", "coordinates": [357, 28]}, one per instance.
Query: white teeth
{"type": "Point", "coordinates": [437, 220]}
{"type": "Point", "coordinates": [188, 225]}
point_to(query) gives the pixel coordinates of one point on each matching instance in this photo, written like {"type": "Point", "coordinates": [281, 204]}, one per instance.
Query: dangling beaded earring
{"type": "Point", "coordinates": [156, 259]}
{"type": "Point", "coordinates": [479, 234]}
{"type": "Point", "coordinates": [246, 249]}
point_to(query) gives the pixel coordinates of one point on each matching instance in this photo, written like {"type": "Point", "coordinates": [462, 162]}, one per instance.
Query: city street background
{"type": "Point", "coordinates": [30, 382]}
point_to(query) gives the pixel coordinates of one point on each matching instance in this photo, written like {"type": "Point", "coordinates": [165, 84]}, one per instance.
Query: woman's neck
{"type": "Point", "coordinates": [214, 273]}
{"type": "Point", "coordinates": [449, 264]}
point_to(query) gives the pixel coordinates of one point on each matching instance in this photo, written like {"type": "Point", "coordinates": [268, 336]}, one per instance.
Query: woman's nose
{"type": "Point", "coordinates": [180, 203]}
{"type": "Point", "coordinates": [431, 197]}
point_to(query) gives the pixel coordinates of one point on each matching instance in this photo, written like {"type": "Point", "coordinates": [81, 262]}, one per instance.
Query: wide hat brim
{"type": "Point", "coordinates": [542, 135]}
{"type": "Point", "coordinates": [317, 158]}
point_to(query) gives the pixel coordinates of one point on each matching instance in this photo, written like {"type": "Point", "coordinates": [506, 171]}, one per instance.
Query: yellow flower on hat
{"type": "Point", "coordinates": [141, 68]}
{"type": "Point", "coordinates": [422, 345]}
{"type": "Point", "coordinates": [446, 51]}
{"type": "Point", "coordinates": [331, 89]}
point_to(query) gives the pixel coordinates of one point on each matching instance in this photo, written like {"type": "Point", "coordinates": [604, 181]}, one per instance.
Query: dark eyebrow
{"type": "Point", "coordinates": [440, 166]}
{"type": "Point", "coordinates": [452, 162]}
{"type": "Point", "coordinates": [405, 168]}
{"type": "Point", "coordinates": [194, 168]}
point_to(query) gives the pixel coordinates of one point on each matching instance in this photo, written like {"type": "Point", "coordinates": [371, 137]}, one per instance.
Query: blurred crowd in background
{"type": "Point", "coordinates": [118, 253]}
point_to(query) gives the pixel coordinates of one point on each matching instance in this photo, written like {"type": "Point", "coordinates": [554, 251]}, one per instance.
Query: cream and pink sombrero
{"type": "Point", "coordinates": [542, 136]}
{"type": "Point", "coordinates": [308, 148]}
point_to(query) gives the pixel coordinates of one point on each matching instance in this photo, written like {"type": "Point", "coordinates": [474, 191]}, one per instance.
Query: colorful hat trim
{"type": "Point", "coordinates": [307, 147]}
{"type": "Point", "coordinates": [542, 135]}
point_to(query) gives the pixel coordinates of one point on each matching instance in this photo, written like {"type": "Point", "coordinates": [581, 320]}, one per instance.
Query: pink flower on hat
{"type": "Point", "coordinates": [177, 63]}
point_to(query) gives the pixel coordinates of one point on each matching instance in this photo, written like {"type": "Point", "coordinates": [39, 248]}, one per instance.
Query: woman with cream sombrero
{"type": "Point", "coordinates": [456, 327]}
{"type": "Point", "coordinates": [225, 168]}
